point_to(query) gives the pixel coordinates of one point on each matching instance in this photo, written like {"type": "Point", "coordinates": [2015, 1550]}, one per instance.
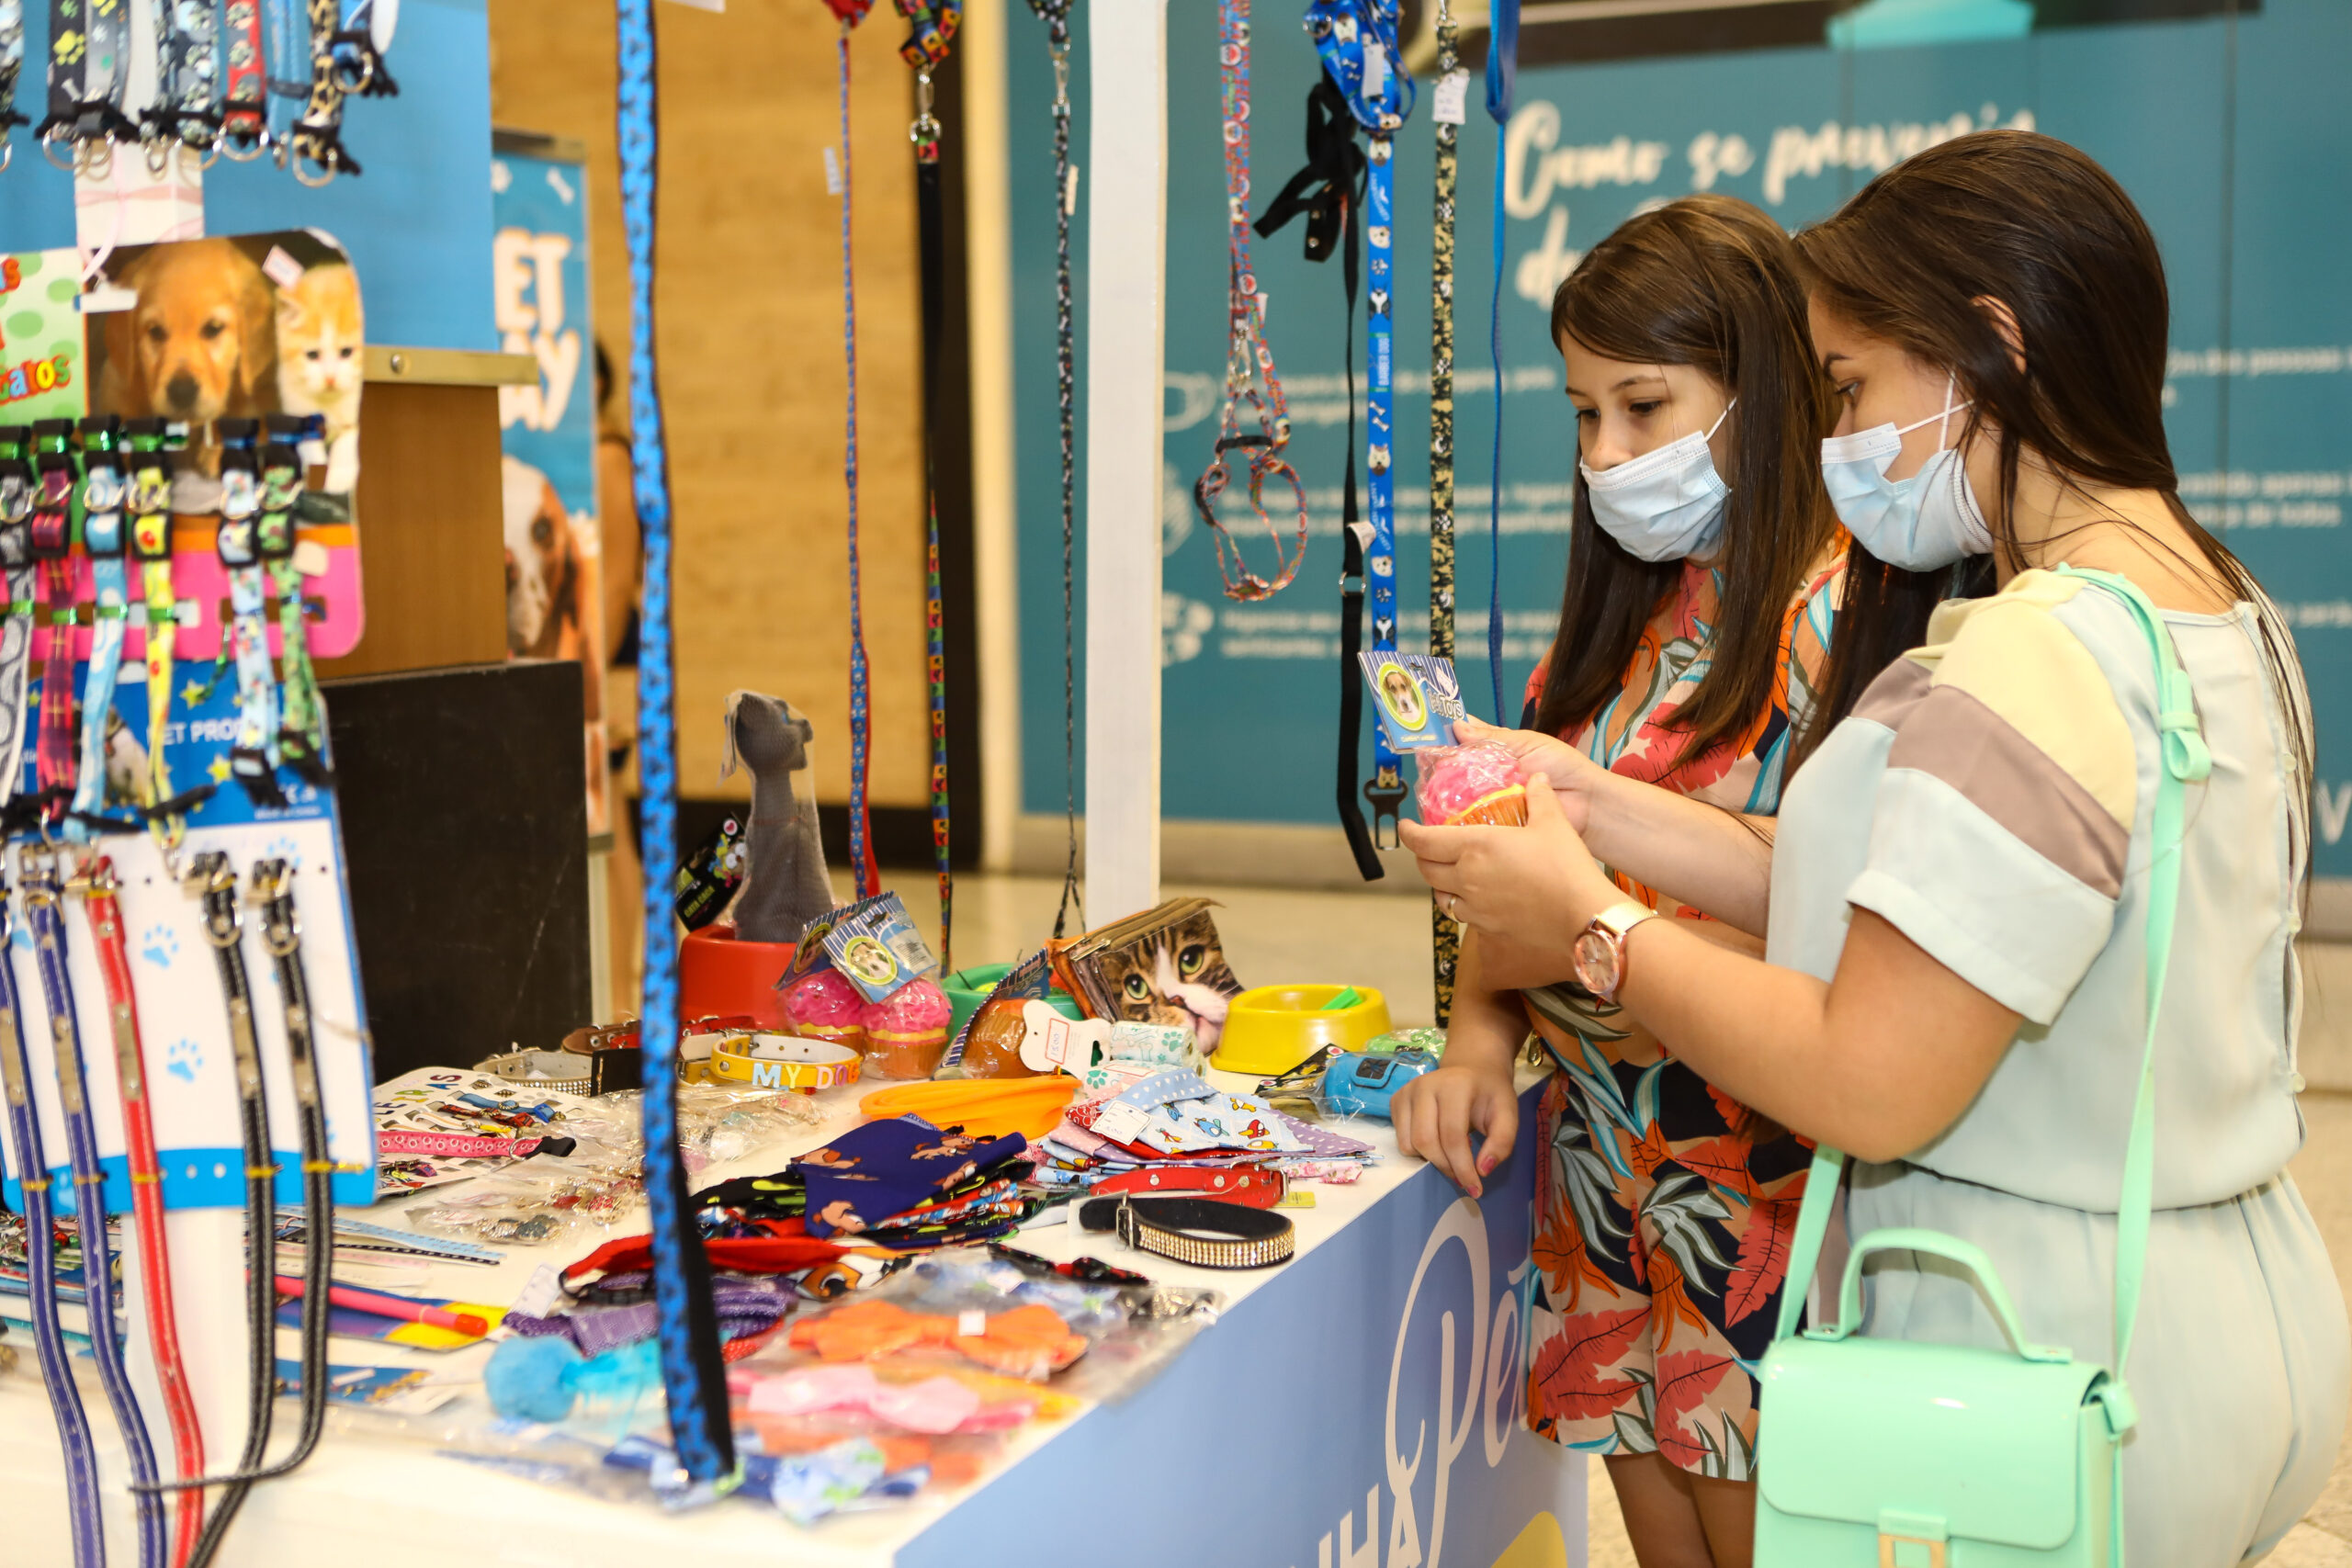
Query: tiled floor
{"type": "Point", "coordinates": [1381, 939]}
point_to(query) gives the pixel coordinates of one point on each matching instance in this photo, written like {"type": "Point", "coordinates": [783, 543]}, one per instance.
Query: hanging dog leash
{"type": "Point", "coordinates": [1248, 363]}
{"type": "Point", "coordinates": [1326, 194]}
{"type": "Point", "coordinates": [40, 1268]}
{"type": "Point", "coordinates": [1448, 107]}
{"type": "Point", "coordinates": [863, 870]}
{"type": "Point", "coordinates": [253, 758]}
{"type": "Point", "coordinates": [1055, 14]}
{"type": "Point", "coordinates": [317, 152]}
{"type": "Point", "coordinates": [41, 895]}
{"type": "Point", "coordinates": [931, 29]}
{"type": "Point", "coordinates": [104, 912]}
{"type": "Point", "coordinates": [150, 505]}
{"type": "Point", "coordinates": [694, 1378]}
{"type": "Point", "coordinates": [17, 489]}
{"type": "Point", "coordinates": [1502, 78]}
{"type": "Point", "coordinates": [102, 538]}
{"type": "Point", "coordinates": [244, 114]}
{"type": "Point", "coordinates": [359, 51]}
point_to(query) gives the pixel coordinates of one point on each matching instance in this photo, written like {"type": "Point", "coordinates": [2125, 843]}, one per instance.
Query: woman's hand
{"type": "Point", "coordinates": [1575, 776]}
{"type": "Point", "coordinates": [1536, 887]}
{"type": "Point", "coordinates": [1435, 1114]}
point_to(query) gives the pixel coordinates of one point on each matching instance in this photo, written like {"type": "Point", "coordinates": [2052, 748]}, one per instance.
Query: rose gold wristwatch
{"type": "Point", "coordinates": [1600, 951]}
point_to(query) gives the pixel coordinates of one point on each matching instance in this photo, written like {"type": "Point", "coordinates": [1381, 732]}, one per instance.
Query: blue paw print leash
{"type": "Point", "coordinates": [103, 494]}
{"type": "Point", "coordinates": [693, 1376]}
{"type": "Point", "coordinates": [1357, 42]}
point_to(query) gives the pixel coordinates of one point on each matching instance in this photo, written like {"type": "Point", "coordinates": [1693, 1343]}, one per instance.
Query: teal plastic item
{"type": "Point", "coordinates": [1909, 24]}
{"type": "Point", "coordinates": [968, 989]}
{"type": "Point", "coordinates": [1890, 1453]}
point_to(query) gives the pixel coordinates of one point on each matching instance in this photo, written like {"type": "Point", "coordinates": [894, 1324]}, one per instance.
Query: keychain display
{"type": "Point", "coordinates": [276, 57]}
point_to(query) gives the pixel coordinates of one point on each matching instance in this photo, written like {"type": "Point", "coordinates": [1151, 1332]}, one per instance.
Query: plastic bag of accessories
{"type": "Point", "coordinates": [718, 1123]}
{"type": "Point", "coordinates": [998, 1311]}
{"type": "Point", "coordinates": [530, 1210]}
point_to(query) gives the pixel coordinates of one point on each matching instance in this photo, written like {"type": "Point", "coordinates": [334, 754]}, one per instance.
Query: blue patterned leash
{"type": "Point", "coordinates": [40, 1268]}
{"type": "Point", "coordinates": [1357, 41]}
{"type": "Point", "coordinates": [42, 896]}
{"type": "Point", "coordinates": [693, 1376]}
{"type": "Point", "coordinates": [103, 493]}
{"type": "Point", "coordinates": [1503, 82]}
{"type": "Point", "coordinates": [861, 694]}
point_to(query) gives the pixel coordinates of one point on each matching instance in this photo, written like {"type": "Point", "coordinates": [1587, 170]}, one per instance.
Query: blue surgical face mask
{"type": "Point", "coordinates": [1921, 523]}
{"type": "Point", "coordinates": [1666, 503]}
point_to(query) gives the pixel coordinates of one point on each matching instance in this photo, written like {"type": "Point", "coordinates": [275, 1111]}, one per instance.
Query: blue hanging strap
{"type": "Point", "coordinates": [694, 1378]}
{"type": "Point", "coordinates": [1503, 82]}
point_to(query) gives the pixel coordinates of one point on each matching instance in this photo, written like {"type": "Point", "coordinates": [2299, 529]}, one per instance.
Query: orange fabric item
{"type": "Point", "coordinates": [1025, 1338]}
{"type": "Point", "coordinates": [985, 1108]}
{"type": "Point", "coordinates": [1025, 1342]}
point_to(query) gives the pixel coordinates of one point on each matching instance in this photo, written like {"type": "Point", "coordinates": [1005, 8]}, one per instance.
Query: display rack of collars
{"type": "Point", "coordinates": [237, 80]}
{"type": "Point", "coordinates": [151, 820]}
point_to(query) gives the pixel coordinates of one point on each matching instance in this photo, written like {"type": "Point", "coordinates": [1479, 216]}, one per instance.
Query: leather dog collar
{"type": "Point", "coordinates": [783, 1061]}
{"type": "Point", "coordinates": [1252, 1189]}
{"type": "Point", "coordinates": [1234, 1237]}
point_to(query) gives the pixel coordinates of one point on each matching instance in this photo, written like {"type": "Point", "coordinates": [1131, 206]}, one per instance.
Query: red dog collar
{"type": "Point", "coordinates": [1253, 1186]}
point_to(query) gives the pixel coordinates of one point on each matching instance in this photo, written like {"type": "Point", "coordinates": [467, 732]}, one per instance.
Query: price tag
{"type": "Point", "coordinates": [1452, 102]}
{"type": "Point", "coordinates": [1120, 1124]}
{"type": "Point", "coordinates": [1375, 72]}
{"type": "Point", "coordinates": [971, 1324]}
{"type": "Point", "coordinates": [833, 172]}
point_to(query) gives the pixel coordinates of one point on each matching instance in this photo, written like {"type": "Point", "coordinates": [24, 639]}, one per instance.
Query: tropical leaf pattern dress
{"type": "Point", "coordinates": [1665, 1209]}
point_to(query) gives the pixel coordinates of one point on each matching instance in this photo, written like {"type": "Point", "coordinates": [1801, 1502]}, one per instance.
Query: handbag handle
{"type": "Point", "coordinates": [1967, 1254]}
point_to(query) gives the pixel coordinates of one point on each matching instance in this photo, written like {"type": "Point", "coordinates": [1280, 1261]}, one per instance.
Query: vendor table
{"type": "Point", "coordinates": [1360, 1406]}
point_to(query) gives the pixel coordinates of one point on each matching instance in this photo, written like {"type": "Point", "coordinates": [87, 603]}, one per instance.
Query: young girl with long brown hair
{"type": "Point", "coordinates": [1694, 627]}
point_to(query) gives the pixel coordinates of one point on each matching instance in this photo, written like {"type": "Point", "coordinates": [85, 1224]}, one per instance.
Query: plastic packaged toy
{"type": "Point", "coordinates": [1473, 786]}
{"type": "Point", "coordinates": [825, 1006]}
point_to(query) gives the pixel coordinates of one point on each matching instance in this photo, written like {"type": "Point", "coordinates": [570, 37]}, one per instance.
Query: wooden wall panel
{"type": "Point", "coordinates": [432, 556]}
{"type": "Point", "coordinates": [750, 312]}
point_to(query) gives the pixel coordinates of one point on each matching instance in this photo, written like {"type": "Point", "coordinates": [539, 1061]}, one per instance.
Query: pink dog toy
{"type": "Point", "coordinates": [1464, 786]}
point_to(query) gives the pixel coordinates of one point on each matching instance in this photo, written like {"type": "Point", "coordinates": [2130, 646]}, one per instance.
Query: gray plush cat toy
{"type": "Point", "coordinates": [786, 886]}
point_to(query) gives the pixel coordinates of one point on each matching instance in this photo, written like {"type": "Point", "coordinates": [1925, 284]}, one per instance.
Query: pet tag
{"type": "Point", "coordinates": [1053, 1041]}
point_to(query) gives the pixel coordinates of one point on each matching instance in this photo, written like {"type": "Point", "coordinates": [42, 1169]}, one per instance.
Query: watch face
{"type": "Point", "coordinates": [1596, 961]}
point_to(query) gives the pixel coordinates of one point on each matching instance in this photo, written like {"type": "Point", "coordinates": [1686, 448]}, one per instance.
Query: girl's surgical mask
{"type": "Point", "coordinates": [1666, 503]}
{"type": "Point", "coordinates": [1921, 523]}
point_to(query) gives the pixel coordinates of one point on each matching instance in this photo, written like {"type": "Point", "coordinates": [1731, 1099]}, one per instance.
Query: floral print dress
{"type": "Point", "coordinates": [1665, 1209]}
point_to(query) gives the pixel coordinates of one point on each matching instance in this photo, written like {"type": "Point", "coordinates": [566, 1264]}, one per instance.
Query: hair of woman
{"type": "Point", "coordinates": [2020, 219]}
{"type": "Point", "coordinates": [1712, 282]}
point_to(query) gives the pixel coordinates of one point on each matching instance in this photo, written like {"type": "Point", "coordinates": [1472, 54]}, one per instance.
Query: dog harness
{"type": "Point", "coordinates": [104, 912]}
{"type": "Point", "coordinates": [17, 489]}
{"type": "Point", "coordinates": [931, 29]}
{"type": "Point", "coordinates": [1448, 107]}
{"type": "Point", "coordinates": [1503, 76]}
{"type": "Point", "coordinates": [102, 538]}
{"type": "Point", "coordinates": [694, 1378]}
{"type": "Point", "coordinates": [1248, 362]}
{"type": "Point", "coordinates": [51, 538]}
{"type": "Point", "coordinates": [1055, 14]}
{"type": "Point", "coordinates": [302, 729]}
{"type": "Point", "coordinates": [41, 894]}
{"type": "Point", "coordinates": [40, 1268]}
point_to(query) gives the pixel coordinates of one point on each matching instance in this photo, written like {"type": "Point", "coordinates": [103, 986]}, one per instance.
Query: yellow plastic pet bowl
{"type": "Point", "coordinates": [1273, 1029]}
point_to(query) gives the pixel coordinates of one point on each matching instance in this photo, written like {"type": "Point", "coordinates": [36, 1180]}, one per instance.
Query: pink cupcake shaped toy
{"type": "Point", "coordinates": [824, 1006]}
{"type": "Point", "coordinates": [906, 1031]}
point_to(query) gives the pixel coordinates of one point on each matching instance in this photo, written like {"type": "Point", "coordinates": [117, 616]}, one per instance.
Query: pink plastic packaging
{"type": "Point", "coordinates": [1478, 784]}
{"type": "Point", "coordinates": [907, 1030]}
{"type": "Point", "coordinates": [825, 1006]}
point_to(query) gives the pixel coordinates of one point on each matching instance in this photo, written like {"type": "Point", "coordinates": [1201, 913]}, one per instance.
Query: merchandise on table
{"type": "Point", "coordinates": [1272, 1029]}
{"type": "Point", "coordinates": [825, 1006]}
{"type": "Point", "coordinates": [906, 1031]}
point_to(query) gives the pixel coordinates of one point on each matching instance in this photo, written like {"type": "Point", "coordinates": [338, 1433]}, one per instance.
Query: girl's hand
{"type": "Point", "coordinates": [1575, 776]}
{"type": "Point", "coordinates": [1435, 1114]}
{"type": "Point", "coordinates": [1536, 887]}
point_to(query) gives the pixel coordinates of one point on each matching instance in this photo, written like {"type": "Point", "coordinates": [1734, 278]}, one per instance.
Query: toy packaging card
{"type": "Point", "coordinates": [876, 945]}
{"type": "Point", "coordinates": [1032, 979]}
{"type": "Point", "coordinates": [1416, 698]}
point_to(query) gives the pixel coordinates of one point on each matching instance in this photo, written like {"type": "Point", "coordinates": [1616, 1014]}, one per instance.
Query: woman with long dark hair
{"type": "Point", "coordinates": [1694, 628]}
{"type": "Point", "coordinates": [1956, 975]}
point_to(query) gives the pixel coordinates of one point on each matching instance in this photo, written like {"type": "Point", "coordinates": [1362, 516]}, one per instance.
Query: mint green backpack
{"type": "Point", "coordinates": [1887, 1453]}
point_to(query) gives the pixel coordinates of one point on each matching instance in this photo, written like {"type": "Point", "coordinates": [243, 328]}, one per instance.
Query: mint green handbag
{"type": "Point", "coordinates": [1889, 1453]}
